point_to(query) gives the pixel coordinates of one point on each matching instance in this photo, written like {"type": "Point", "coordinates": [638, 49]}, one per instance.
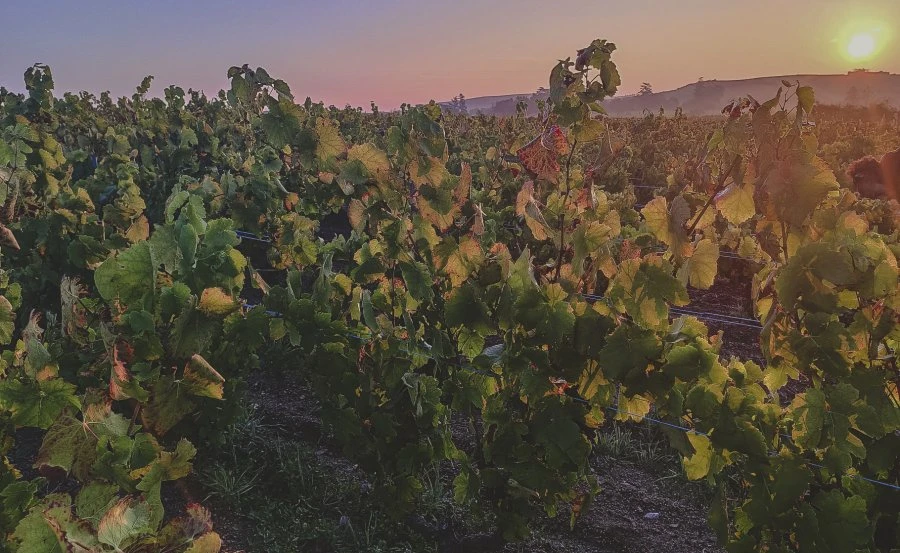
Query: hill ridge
{"type": "Point", "coordinates": [707, 97]}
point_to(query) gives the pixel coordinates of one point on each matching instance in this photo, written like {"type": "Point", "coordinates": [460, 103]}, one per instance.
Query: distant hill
{"type": "Point", "coordinates": [857, 88]}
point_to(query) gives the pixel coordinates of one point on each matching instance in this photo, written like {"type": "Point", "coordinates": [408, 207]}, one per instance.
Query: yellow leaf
{"type": "Point", "coordinates": [735, 203]}
{"type": "Point", "coordinates": [632, 408]}
{"type": "Point", "coordinates": [374, 160]}
{"type": "Point", "coordinates": [699, 270]}
{"type": "Point", "coordinates": [459, 264]}
{"type": "Point", "coordinates": [215, 301]}
{"type": "Point", "coordinates": [202, 379]}
{"type": "Point", "coordinates": [461, 194]}
{"type": "Point", "coordinates": [656, 216]}
{"type": "Point", "coordinates": [697, 465]}
{"type": "Point", "coordinates": [330, 142]}
{"type": "Point", "coordinates": [433, 173]}
{"type": "Point", "coordinates": [139, 230]}
{"type": "Point", "coordinates": [853, 221]}
{"type": "Point", "coordinates": [209, 542]}
{"type": "Point", "coordinates": [356, 212]}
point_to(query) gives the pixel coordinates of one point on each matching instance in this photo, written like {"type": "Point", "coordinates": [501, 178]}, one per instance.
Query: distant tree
{"type": "Point", "coordinates": [458, 104]}
{"type": "Point", "coordinates": [522, 105]}
{"type": "Point", "coordinates": [646, 88]}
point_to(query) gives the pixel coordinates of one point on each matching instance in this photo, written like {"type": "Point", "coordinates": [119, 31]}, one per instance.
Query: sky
{"type": "Point", "coordinates": [393, 51]}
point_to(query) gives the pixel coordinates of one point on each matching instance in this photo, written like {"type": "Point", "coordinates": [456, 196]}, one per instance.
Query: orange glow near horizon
{"type": "Point", "coordinates": [357, 51]}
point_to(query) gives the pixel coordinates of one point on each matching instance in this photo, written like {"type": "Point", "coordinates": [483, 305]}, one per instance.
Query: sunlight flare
{"type": "Point", "coordinates": [861, 46]}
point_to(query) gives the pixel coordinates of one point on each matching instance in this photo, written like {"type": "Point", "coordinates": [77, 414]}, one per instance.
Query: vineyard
{"type": "Point", "coordinates": [531, 280]}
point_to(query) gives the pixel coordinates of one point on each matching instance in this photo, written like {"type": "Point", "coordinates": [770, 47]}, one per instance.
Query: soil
{"type": "Point", "coordinates": [622, 518]}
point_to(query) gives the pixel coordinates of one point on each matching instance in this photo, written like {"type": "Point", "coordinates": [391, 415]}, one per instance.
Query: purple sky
{"type": "Point", "coordinates": [391, 51]}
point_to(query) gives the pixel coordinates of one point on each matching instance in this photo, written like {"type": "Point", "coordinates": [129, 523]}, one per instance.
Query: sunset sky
{"type": "Point", "coordinates": [391, 51]}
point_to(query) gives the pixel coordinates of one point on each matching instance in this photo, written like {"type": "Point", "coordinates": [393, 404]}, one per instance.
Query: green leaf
{"type": "Point", "coordinates": [34, 532]}
{"type": "Point", "coordinates": [628, 349]}
{"type": "Point", "coordinates": [167, 407]}
{"type": "Point", "coordinates": [465, 308]}
{"type": "Point", "coordinates": [18, 496]}
{"type": "Point", "coordinates": [37, 403]}
{"type": "Point", "coordinates": [471, 343]}
{"type": "Point", "coordinates": [95, 499]}
{"type": "Point", "coordinates": [586, 240]}
{"type": "Point", "coordinates": [809, 418]}
{"type": "Point", "coordinates": [129, 277]}
{"type": "Point", "coordinates": [555, 428]}
{"type": "Point", "coordinates": [418, 280]}
{"type": "Point", "coordinates": [588, 130]}
{"type": "Point", "coordinates": [465, 486]}
{"type": "Point", "coordinates": [644, 288]}
{"type": "Point", "coordinates": [843, 521]}
{"type": "Point", "coordinates": [792, 481]}
{"type": "Point", "coordinates": [777, 375]}
{"type": "Point", "coordinates": [62, 443]}
{"type": "Point", "coordinates": [282, 123]}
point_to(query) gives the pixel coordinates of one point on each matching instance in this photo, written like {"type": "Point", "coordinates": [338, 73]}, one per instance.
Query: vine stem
{"type": "Point", "coordinates": [562, 216]}
{"type": "Point", "coordinates": [784, 240]}
{"type": "Point", "coordinates": [11, 209]}
{"type": "Point", "coordinates": [134, 416]}
{"type": "Point", "coordinates": [719, 186]}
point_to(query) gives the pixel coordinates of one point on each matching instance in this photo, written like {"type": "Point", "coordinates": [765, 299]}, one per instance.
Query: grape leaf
{"type": "Point", "coordinates": [809, 418]}
{"type": "Point", "coordinates": [418, 280]}
{"type": "Point", "coordinates": [209, 542]}
{"type": "Point", "coordinates": [37, 403]}
{"type": "Point", "coordinates": [698, 464]}
{"type": "Point", "coordinates": [736, 202]}
{"type": "Point", "coordinates": [215, 301]}
{"type": "Point", "coordinates": [699, 270]}
{"type": "Point", "coordinates": [330, 143]}
{"type": "Point", "coordinates": [201, 379]}
{"type": "Point", "coordinates": [95, 499]}
{"type": "Point", "coordinates": [797, 185]}
{"type": "Point", "coordinates": [125, 521]}
{"type": "Point", "coordinates": [129, 276]}
{"type": "Point", "coordinates": [540, 157]}
{"type": "Point", "coordinates": [7, 321]}
{"type": "Point", "coordinates": [374, 160]}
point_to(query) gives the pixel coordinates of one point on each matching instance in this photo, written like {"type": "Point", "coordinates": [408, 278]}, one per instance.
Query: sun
{"type": "Point", "coordinates": [861, 46]}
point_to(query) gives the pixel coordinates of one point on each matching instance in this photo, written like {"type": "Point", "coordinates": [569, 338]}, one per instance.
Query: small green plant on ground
{"type": "Point", "coordinates": [289, 495]}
